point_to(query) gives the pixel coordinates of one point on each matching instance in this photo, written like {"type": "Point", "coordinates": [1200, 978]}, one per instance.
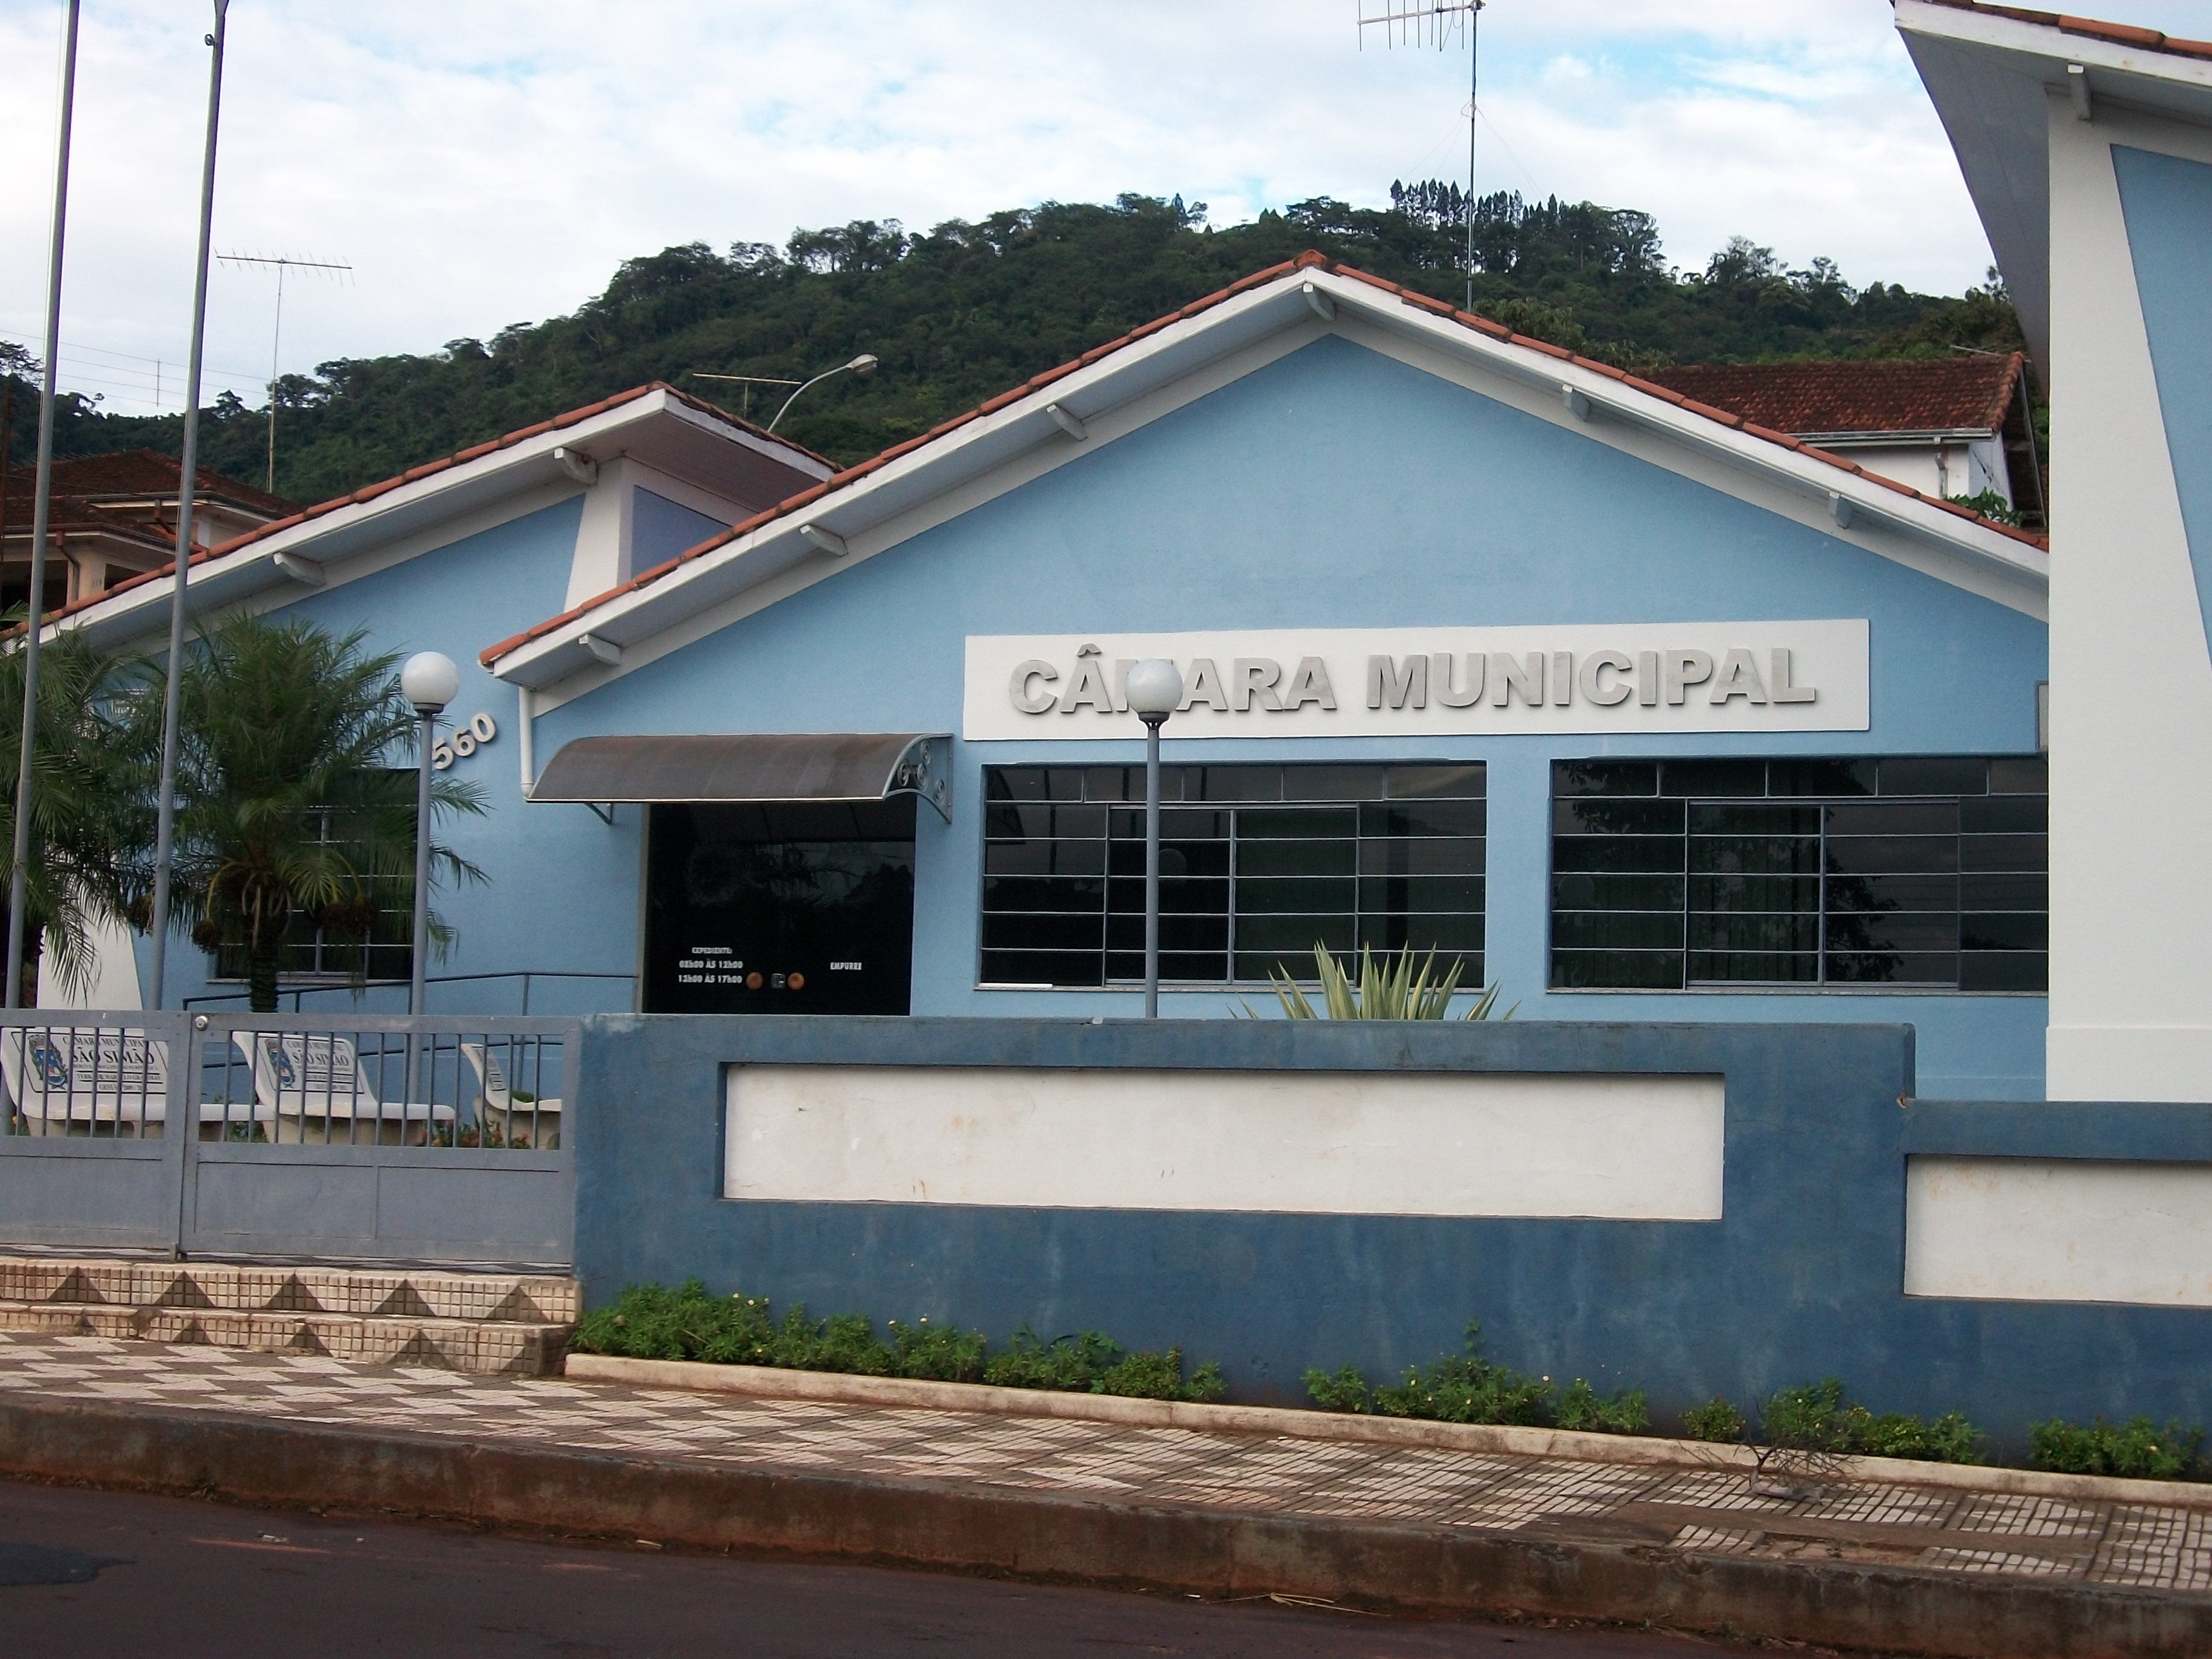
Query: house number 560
{"type": "Point", "coordinates": [464, 741]}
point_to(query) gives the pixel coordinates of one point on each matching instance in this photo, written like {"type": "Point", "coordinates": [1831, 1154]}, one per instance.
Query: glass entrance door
{"type": "Point", "coordinates": [791, 909]}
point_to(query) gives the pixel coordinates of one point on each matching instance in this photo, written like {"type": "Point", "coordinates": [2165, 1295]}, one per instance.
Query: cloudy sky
{"type": "Point", "coordinates": [490, 162]}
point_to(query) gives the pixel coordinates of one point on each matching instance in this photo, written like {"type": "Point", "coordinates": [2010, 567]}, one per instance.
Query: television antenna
{"type": "Point", "coordinates": [1440, 25]}
{"type": "Point", "coordinates": [337, 272]}
{"type": "Point", "coordinates": [749, 381]}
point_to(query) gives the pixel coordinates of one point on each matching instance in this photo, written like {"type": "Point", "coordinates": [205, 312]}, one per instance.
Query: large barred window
{"type": "Point", "coordinates": [1920, 871]}
{"type": "Point", "coordinates": [1258, 864]}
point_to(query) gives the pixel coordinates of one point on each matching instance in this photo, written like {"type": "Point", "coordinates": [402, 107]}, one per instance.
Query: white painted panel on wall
{"type": "Point", "coordinates": [1637, 1147]}
{"type": "Point", "coordinates": [2059, 1229]}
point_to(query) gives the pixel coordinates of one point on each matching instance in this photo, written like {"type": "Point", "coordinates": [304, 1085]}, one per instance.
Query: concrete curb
{"type": "Point", "coordinates": [769, 1382]}
{"type": "Point", "coordinates": [1055, 1536]}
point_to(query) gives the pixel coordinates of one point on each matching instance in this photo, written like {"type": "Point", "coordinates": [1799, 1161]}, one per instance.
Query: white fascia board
{"type": "Point", "coordinates": [1147, 379]}
{"type": "Point", "coordinates": [1988, 78]}
{"type": "Point", "coordinates": [969, 465]}
{"type": "Point", "coordinates": [363, 537]}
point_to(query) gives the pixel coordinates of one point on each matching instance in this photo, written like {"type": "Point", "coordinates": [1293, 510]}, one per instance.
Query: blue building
{"type": "Point", "coordinates": [1639, 712]}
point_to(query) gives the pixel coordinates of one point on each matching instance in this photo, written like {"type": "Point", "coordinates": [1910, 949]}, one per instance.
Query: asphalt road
{"type": "Point", "coordinates": [90, 1573]}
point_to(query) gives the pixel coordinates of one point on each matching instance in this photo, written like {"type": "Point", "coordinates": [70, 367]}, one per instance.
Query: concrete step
{"type": "Point", "coordinates": [486, 1322]}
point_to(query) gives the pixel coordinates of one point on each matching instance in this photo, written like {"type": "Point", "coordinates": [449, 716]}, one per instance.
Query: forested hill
{"type": "Point", "coordinates": [967, 310]}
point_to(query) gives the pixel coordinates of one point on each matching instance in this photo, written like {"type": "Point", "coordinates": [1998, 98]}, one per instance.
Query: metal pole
{"type": "Point", "coordinates": [41, 511]}
{"type": "Point", "coordinates": [419, 940]}
{"type": "Point", "coordinates": [165, 831]}
{"type": "Point", "coordinates": [1151, 867]}
{"type": "Point", "coordinates": [1473, 113]}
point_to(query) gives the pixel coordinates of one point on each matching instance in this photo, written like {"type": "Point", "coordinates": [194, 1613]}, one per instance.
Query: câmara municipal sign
{"type": "Point", "coordinates": [1631, 677]}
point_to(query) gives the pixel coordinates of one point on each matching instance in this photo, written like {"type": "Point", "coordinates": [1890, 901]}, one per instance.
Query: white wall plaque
{"type": "Point", "coordinates": [1624, 1146]}
{"type": "Point", "coordinates": [1364, 683]}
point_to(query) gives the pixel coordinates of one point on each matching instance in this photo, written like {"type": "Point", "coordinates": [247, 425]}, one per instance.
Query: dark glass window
{"type": "Point", "coordinates": [1258, 865]}
{"type": "Point", "coordinates": [784, 908]}
{"type": "Point", "coordinates": [1923, 870]}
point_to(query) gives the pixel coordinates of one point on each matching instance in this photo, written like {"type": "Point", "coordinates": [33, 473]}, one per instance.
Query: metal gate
{"type": "Point", "coordinates": [372, 1139]}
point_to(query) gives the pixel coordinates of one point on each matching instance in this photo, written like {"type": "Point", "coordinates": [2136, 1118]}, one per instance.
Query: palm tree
{"type": "Point", "coordinates": [291, 812]}
{"type": "Point", "coordinates": [80, 800]}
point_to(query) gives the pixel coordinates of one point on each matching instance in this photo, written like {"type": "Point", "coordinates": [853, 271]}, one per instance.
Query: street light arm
{"type": "Point", "coordinates": [865, 364]}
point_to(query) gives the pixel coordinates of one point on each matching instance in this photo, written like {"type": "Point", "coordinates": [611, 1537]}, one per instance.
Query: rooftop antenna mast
{"type": "Point", "coordinates": [338, 273]}
{"type": "Point", "coordinates": [1440, 26]}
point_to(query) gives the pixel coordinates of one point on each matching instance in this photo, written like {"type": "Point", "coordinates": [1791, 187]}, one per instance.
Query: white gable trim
{"type": "Point", "coordinates": [434, 511]}
{"type": "Point", "coordinates": [1139, 382]}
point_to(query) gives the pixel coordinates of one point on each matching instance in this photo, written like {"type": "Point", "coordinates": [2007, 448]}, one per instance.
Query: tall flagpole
{"type": "Point", "coordinates": [165, 811]}
{"type": "Point", "coordinates": [41, 510]}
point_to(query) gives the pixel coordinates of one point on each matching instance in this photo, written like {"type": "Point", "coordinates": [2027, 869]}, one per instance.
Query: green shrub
{"type": "Point", "coordinates": [1815, 1417]}
{"type": "Point", "coordinates": [1467, 1388]}
{"type": "Point", "coordinates": [936, 1353]}
{"type": "Point", "coordinates": [1340, 1390]}
{"type": "Point", "coordinates": [2135, 1449]}
{"type": "Point", "coordinates": [651, 1322]}
{"type": "Point", "coordinates": [1716, 1419]}
{"type": "Point", "coordinates": [1068, 1363]}
{"type": "Point", "coordinates": [1091, 1362]}
{"type": "Point", "coordinates": [1580, 1410]}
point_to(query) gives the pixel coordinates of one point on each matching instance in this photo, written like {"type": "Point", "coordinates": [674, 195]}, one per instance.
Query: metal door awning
{"type": "Point", "coordinates": [757, 767]}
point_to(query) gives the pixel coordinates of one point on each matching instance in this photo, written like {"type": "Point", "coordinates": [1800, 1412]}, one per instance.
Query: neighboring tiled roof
{"type": "Point", "coordinates": [150, 472]}
{"type": "Point", "coordinates": [461, 458]}
{"type": "Point", "coordinates": [144, 473]}
{"type": "Point", "coordinates": [2117, 34]}
{"type": "Point", "coordinates": [1940, 394]}
{"type": "Point", "coordinates": [1306, 261]}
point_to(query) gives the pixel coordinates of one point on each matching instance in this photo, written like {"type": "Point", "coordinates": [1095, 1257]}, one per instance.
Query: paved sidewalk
{"type": "Point", "coordinates": [1699, 1515]}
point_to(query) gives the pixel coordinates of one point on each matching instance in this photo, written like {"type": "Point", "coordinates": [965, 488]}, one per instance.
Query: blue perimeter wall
{"type": "Point", "coordinates": [1802, 1279]}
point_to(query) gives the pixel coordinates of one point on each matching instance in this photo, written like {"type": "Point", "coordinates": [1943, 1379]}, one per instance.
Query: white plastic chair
{"type": "Point", "coordinates": [89, 1080]}
{"type": "Point", "coordinates": [521, 1118]}
{"type": "Point", "coordinates": [300, 1076]}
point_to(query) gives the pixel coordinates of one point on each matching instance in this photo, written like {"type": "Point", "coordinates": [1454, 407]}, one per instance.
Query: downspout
{"type": "Point", "coordinates": [526, 711]}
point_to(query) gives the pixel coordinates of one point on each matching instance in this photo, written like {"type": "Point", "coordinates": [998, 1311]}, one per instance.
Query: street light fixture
{"type": "Point", "coordinates": [863, 364]}
{"type": "Point", "coordinates": [429, 681]}
{"type": "Point", "coordinates": [1155, 688]}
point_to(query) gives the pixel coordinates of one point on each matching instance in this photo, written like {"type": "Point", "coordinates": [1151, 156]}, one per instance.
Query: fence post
{"type": "Point", "coordinates": [180, 1119]}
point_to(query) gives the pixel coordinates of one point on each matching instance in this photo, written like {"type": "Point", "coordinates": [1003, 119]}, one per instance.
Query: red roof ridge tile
{"type": "Point", "coordinates": [1308, 260]}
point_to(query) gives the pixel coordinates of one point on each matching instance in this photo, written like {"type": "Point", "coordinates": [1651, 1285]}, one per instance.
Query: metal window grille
{"type": "Point", "coordinates": [1258, 865]}
{"type": "Point", "coordinates": [1927, 871]}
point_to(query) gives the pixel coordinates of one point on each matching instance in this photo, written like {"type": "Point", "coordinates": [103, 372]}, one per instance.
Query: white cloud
{"type": "Point", "coordinates": [491, 162]}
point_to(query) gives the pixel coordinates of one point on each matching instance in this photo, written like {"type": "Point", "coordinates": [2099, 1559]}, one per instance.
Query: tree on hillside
{"type": "Point", "coordinates": [295, 799]}
{"type": "Point", "coordinates": [960, 312]}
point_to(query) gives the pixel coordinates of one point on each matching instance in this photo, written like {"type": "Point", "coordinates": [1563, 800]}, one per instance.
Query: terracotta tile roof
{"type": "Point", "coordinates": [133, 473]}
{"type": "Point", "coordinates": [1308, 260]}
{"type": "Point", "coordinates": [2117, 34]}
{"type": "Point", "coordinates": [1940, 394]}
{"type": "Point", "coordinates": [460, 457]}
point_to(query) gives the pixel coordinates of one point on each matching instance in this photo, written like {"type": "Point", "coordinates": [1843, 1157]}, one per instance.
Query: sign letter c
{"type": "Point", "coordinates": [1025, 696]}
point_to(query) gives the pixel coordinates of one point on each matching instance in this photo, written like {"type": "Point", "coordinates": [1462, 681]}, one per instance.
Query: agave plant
{"type": "Point", "coordinates": [1395, 986]}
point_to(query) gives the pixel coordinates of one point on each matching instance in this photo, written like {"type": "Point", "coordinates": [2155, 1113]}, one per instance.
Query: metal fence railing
{"type": "Point", "coordinates": [571, 991]}
{"type": "Point", "coordinates": [369, 1080]}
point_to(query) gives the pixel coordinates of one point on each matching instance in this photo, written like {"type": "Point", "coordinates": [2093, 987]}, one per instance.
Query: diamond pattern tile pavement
{"type": "Point", "coordinates": [1714, 1511]}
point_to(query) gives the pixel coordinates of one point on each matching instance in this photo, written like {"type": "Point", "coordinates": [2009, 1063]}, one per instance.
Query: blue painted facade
{"type": "Point", "coordinates": [1336, 487]}
{"type": "Point", "coordinates": [2168, 204]}
{"type": "Point", "coordinates": [1801, 1278]}
{"type": "Point", "coordinates": [453, 599]}
{"type": "Point", "coordinates": [1339, 488]}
